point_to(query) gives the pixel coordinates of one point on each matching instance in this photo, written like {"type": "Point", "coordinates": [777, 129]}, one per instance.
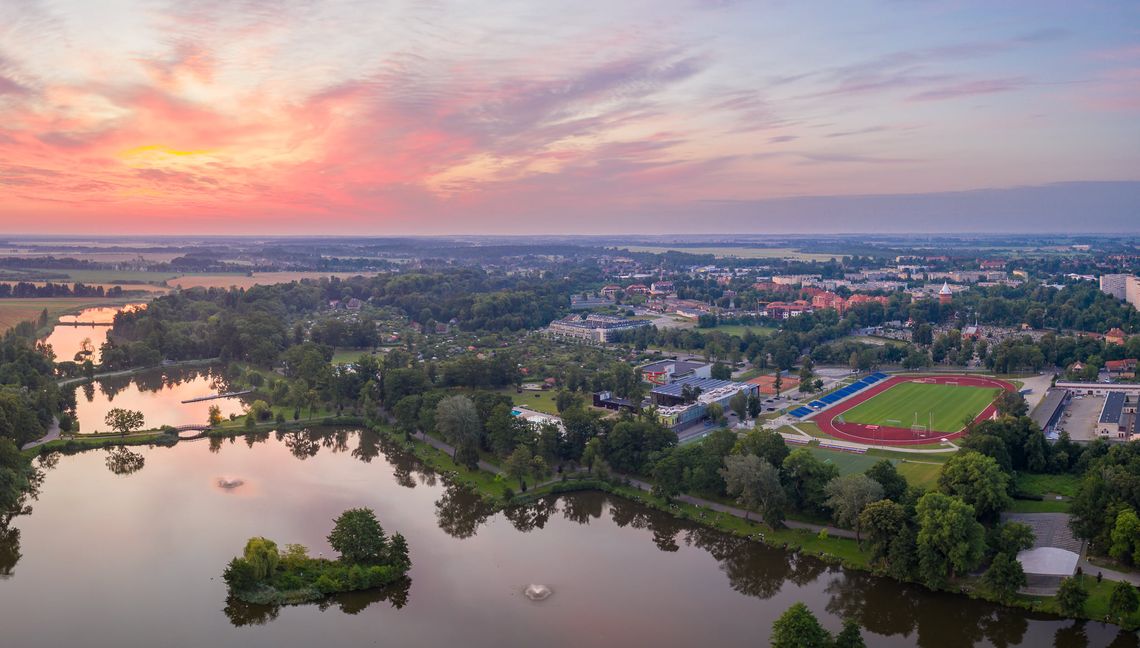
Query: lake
{"type": "Point", "coordinates": [67, 341]}
{"type": "Point", "coordinates": [113, 559]}
{"type": "Point", "coordinates": [158, 394]}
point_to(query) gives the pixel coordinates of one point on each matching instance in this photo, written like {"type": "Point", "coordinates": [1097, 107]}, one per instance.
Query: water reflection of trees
{"type": "Point", "coordinates": [887, 607]}
{"type": "Point", "coordinates": [461, 510]}
{"type": "Point", "coordinates": [242, 614]}
{"type": "Point", "coordinates": [9, 547]}
{"type": "Point", "coordinates": [122, 461]}
{"type": "Point", "coordinates": [159, 379]}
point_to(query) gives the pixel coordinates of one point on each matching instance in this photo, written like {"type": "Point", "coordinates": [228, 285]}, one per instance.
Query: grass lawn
{"type": "Point", "coordinates": [873, 339]}
{"type": "Point", "coordinates": [944, 406]}
{"type": "Point", "coordinates": [539, 401]}
{"type": "Point", "coordinates": [1044, 506]}
{"type": "Point", "coordinates": [739, 329]}
{"type": "Point", "coordinates": [346, 356]}
{"type": "Point", "coordinates": [1048, 484]}
{"type": "Point", "coordinates": [920, 474]}
{"type": "Point", "coordinates": [846, 462]}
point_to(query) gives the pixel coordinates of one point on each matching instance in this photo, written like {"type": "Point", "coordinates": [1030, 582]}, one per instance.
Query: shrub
{"type": "Point", "coordinates": [239, 575]}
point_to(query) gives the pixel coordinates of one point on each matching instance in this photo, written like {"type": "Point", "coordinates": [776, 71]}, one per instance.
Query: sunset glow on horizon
{"type": "Point", "coordinates": [282, 117]}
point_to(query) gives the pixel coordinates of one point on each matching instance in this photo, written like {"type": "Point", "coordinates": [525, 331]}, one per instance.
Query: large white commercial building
{"type": "Point", "coordinates": [1122, 286]}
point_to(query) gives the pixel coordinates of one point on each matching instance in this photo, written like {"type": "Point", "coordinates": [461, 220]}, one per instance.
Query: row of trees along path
{"type": "Point", "coordinates": [645, 486]}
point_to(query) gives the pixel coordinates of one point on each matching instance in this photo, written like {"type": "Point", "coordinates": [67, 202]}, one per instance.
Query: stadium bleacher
{"type": "Point", "coordinates": [842, 448]}
{"type": "Point", "coordinates": [839, 394]}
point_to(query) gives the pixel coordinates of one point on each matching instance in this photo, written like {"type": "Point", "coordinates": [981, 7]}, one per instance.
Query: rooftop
{"type": "Point", "coordinates": [1048, 406]}
{"type": "Point", "coordinates": [1113, 406]}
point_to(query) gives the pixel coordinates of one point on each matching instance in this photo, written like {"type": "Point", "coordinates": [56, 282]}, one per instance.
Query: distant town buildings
{"type": "Point", "coordinates": [1123, 287]}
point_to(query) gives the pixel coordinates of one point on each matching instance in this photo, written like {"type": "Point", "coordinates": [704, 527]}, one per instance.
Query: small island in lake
{"type": "Point", "coordinates": [368, 559]}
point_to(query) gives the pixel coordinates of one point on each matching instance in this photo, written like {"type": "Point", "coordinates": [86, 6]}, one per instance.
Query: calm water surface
{"type": "Point", "coordinates": [158, 394]}
{"type": "Point", "coordinates": [69, 341]}
{"type": "Point", "coordinates": [116, 560]}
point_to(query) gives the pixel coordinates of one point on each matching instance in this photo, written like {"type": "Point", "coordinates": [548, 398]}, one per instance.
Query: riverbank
{"type": "Point", "coordinates": [835, 546]}
{"type": "Point", "coordinates": [828, 545]}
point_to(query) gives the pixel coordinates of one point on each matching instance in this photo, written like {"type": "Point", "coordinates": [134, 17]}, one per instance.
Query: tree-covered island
{"type": "Point", "coordinates": [266, 575]}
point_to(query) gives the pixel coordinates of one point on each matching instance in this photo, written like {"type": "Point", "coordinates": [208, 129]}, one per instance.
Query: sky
{"type": "Point", "coordinates": [659, 116]}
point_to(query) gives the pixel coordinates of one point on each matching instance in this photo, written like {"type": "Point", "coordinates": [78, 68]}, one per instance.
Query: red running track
{"type": "Point", "coordinates": [890, 435]}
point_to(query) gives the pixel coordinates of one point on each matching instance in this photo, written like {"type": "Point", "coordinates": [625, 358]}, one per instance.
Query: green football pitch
{"type": "Point", "coordinates": [942, 407]}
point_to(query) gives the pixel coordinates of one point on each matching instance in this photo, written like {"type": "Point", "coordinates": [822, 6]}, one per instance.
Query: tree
{"type": "Point", "coordinates": [950, 540]}
{"type": "Point", "coordinates": [720, 371]}
{"type": "Point", "coordinates": [262, 556]}
{"type": "Point", "coordinates": [215, 416]}
{"type": "Point", "coordinates": [517, 465]}
{"type": "Point", "coordinates": [1004, 577]}
{"type": "Point", "coordinates": [806, 477]}
{"type": "Point", "coordinates": [407, 413]}
{"type": "Point", "coordinates": [766, 444]}
{"type": "Point", "coordinates": [797, 627]}
{"type": "Point", "coordinates": [1123, 600]}
{"type": "Point", "coordinates": [894, 484]}
{"type": "Point", "coordinates": [850, 636]}
{"type": "Point", "coordinates": [240, 575]}
{"type": "Point", "coordinates": [668, 477]}
{"type": "Point", "coordinates": [457, 420]}
{"type": "Point", "coordinates": [398, 552]}
{"type": "Point", "coordinates": [979, 481]}
{"type": "Point", "coordinates": [847, 496]}
{"type": "Point", "coordinates": [124, 420]}
{"type": "Point", "coordinates": [883, 521]}
{"type": "Point", "coordinates": [756, 485]}
{"type": "Point", "coordinates": [1013, 537]}
{"type": "Point", "coordinates": [1071, 597]}
{"type": "Point", "coordinates": [1126, 537]}
{"type": "Point", "coordinates": [1011, 403]}
{"type": "Point", "coordinates": [778, 383]}
{"type": "Point", "coordinates": [715, 413]}
{"type": "Point", "coordinates": [739, 404]}
{"type": "Point", "coordinates": [358, 537]}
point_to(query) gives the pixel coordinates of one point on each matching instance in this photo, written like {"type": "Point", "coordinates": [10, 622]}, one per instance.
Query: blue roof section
{"type": "Point", "coordinates": [800, 412]}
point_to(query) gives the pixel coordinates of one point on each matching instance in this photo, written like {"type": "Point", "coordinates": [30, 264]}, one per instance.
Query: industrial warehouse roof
{"type": "Point", "coordinates": [1047, 408]}
{"type": "Point", "coordinates": [1113, 406]}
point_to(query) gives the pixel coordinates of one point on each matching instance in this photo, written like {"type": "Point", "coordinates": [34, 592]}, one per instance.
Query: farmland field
{"type": "Point", "coordinates": [738, 252]}
{"type": "Point", "coordinates": [260, 278]}
{"type": "Point", "coordinates": [16, 310]}
{"type": "Point", "coordinates": [943, 407]}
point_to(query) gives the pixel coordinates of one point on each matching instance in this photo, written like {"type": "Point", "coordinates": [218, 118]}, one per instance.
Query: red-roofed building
{"type": "Point", "coordinates": [637, 289]}
{"type": "Point", "coordinates": [1115, 336]}
{"type": "Point", "coordinates": [1121, 368]}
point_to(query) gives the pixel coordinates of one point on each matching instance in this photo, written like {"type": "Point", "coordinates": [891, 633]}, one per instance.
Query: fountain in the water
{"type": "Point", "coordinates": [227, 483]}
{"type": "Point", "coordinates": [537, 592]}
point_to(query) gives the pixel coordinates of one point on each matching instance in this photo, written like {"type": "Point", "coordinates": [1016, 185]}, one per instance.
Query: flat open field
{"type": "Point", "coordinates": [942, 407]}
{"type": "Point", "coordinates": [260, 278]}
{"type": "Point", "coordinates": [738, 252]}
{"type": "Point", "coordinates": [14, 311]}
{"type": "Point", "coordinates": [739, 329]}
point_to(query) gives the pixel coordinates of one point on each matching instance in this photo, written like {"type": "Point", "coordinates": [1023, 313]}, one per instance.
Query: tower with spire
{"type": "Point", "coordinates": [945, 295]}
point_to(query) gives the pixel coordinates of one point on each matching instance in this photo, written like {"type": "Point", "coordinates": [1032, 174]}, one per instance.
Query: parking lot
{"type": "Point", "coordinates": [1080, 417]}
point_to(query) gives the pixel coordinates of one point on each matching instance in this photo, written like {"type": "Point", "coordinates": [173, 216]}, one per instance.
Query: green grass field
{"type": "Point", "coordinates": [943, 407]}
{"type": "Point", "coordinates": [539, 401]}
{"type": "Point", "coordinates": [739, 329]}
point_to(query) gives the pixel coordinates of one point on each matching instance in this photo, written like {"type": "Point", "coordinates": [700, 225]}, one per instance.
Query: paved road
{"type": "Point", "coordinates": [440, 445]}
{"type": "Point", "coordinates": [52, 435]}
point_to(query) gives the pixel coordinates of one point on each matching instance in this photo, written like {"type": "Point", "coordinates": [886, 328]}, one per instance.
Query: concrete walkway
{"type": "Point", "coordinates": [440, 445]}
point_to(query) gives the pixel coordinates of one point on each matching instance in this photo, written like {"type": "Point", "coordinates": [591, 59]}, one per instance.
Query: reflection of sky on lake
{"type": "Point", "coordinates": [67, 341]}
{"type": "Point", "coordinates": [158, 394]}
{"type": "Point", "coordinates": [623, 575]}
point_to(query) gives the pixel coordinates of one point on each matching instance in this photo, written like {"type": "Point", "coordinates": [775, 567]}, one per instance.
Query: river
{"type": "Point", "coordinates": [69, 341]}
{"type": "Point", "coordinates": [135, 560]}
{"type": "Point", "coordinates": [158, 394]}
